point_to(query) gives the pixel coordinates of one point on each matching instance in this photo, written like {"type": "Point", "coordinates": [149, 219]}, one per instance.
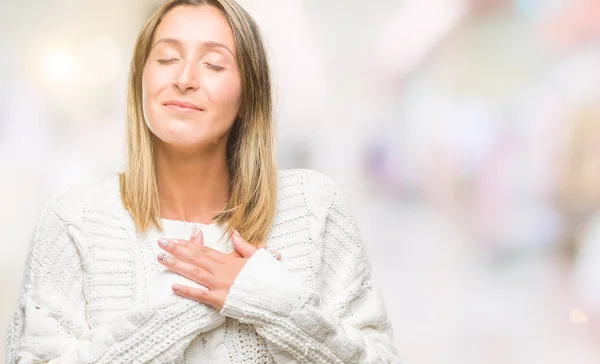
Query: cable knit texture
{"type": "Point", "coordinates": [93, 291]}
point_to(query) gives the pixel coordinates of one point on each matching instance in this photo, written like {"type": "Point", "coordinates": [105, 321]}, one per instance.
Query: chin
{"type": "Point", "coordinates": [180, 131]}
{"type": "Point", "coordinates": [189, 134]}
{"type": "Point", "coordinates": [182, 140]}
{"type": "Point", "coordinates": [186, 142]}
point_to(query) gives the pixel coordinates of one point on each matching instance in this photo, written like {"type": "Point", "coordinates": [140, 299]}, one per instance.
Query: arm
{"type": "Point", "coordinates": [50, 323]}
{"type": "Point", "coordinates": [345, 323]}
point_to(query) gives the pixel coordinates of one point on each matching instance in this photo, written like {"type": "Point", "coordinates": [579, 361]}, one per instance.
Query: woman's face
{"type": "Point", "coordinates": [191, 83]}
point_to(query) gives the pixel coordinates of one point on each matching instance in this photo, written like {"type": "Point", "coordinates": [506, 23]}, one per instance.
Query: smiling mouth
{"type": "Point", "coordinates": [183, 108]}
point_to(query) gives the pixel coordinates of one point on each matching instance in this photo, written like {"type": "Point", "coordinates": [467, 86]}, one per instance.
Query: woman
{"type": "Point", "coordinates": [113, 275]}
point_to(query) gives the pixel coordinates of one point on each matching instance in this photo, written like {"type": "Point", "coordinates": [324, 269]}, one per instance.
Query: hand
{"type": "Point", "coordinates": [208, 267]}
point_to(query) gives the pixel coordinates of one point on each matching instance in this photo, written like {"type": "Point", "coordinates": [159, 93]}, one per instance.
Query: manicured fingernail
{"type": "Point", "coordinates": [176, 287]}
{"type": "Point", "coordinates": [162, 257]}
{"type": "Point", "coordinates": [195, 231]}
{"type": "Point", "coordinates": [163, 242]}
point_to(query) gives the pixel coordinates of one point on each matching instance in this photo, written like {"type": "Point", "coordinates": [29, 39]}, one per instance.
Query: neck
{"type": "Point", "coordinates": [191, 186]}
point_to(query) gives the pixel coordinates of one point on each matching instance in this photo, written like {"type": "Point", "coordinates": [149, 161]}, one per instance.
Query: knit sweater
{"type": "Point", "coordinates": [93, 291]}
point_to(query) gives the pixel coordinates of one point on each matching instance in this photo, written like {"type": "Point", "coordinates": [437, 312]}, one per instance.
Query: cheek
{"type": "Point", "coordinates": [224, 94]}
{"type": "Point", "coordinates": [154, 81]}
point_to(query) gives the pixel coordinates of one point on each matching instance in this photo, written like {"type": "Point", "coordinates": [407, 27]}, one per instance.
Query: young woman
{"type": "Point", "coordinates": [167, 262]}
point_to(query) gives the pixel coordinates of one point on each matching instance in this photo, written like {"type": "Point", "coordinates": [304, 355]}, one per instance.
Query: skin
{"type": "Point", "coordinates": [211, 268]}
{"type": "Point", "coordinates": [186, 65]}
{"type": "Point", "coordinates": [191, 90]}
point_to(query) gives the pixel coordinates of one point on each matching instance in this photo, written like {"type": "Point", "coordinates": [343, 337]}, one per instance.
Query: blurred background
{"type": "Point", "coordinates": [466, 135]}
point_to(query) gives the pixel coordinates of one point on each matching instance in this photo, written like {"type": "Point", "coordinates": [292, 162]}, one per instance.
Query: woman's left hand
{"type": "Point", "coordinates": [208, 267]}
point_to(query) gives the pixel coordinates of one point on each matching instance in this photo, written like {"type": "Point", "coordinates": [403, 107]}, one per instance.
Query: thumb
{"type": "Point", "coordinates": [242, 246]}
{"type": "Point", "coordinates": [197, 236]}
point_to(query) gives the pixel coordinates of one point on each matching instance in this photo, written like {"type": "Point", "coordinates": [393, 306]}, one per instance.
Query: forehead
{"type": "Point", "coordinates": [195, 25]}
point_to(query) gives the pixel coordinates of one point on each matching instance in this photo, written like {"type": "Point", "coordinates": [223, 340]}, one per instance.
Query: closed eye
{"type": "Point", "coordinates": [166, 61]}
{"type": "Point", "coordinates": [214, 66]}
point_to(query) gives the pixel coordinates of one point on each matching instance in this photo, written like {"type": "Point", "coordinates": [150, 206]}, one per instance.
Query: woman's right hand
{"type": "Point", "coordinates": [197, 238]}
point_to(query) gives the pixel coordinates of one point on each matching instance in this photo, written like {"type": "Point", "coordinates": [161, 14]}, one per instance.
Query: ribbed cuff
{"type": "Point", "coordinates": [263, 291]}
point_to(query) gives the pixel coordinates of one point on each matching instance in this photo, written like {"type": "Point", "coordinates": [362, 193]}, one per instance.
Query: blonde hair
{"type": "Point", "coordinates": [250, 151]}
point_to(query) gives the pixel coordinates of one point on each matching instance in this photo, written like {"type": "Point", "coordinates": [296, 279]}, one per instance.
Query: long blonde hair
{"type": "Point", "coordinates": [250, 150]}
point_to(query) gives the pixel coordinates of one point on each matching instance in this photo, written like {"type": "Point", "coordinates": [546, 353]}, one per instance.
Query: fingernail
{"type": "Point", "coordinates": [237, 233]}
{"type": "Point", "coordinates": [195, 231]}
{"type": "Point", "coordinates": [162, 257]}
{"type": "Point", "coordinates": [176, 287]}
{"type": "Point", "coordinates": [163, 242]}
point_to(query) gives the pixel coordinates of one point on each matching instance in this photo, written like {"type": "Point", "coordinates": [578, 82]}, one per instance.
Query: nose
{"type": "Point", "coordinates": [187, 79]}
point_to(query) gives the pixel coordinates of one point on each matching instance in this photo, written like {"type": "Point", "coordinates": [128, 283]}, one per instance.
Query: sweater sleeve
{"type": "Point", "coordinates": [344, 322]}
{"type": "Point", "coordinates": [50, 325]}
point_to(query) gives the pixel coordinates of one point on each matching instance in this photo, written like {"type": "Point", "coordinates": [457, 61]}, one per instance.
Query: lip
{"type": "Point", "coordinates": [182, 106]}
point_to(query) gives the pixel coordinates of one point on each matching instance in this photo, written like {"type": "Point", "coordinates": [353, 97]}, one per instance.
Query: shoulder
{"type": "Point", "coordinates": [315, 203]}
{"type": "Point", "coordinates": [319, 191]}
{"type": "Point", "coordinates": [64, 211]}
{"type": "Point", "coordinates": [308, 181]}
{"type": "Point", "coordinates": [71, 202]}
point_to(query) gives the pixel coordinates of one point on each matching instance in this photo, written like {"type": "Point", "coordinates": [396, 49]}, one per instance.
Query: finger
{"type": "Point", "coordinates": [179, 242]}
{"type": "Point", "coordinates": [277, 255]}
{"type": "Point", "coordinates": [235, 254]}
{"type": "Point", "coordinates": [209, 297]}
{"type": "Point", "coordinates": [191, 271]}
{"type": "Point", "coordinates": [195, 254]}
{"type": "Point", "coordinates": [274, 253]}
{"type": "Point", "coordinates": [177, 248]}
{"type": "Point", "coordinates": [242, 246]}
{"type": "Point", "coordinates": [197, 236]}
{"type": "Point", "coordinates": [211, 253]}
{"type": "Point", "coordinates": [197, 240]}
{"type": "Point", "coordinates": [191, 249]}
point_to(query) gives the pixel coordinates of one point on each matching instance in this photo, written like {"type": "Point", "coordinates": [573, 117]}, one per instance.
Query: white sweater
{"type": "Point", "coordinates": [93, 291]}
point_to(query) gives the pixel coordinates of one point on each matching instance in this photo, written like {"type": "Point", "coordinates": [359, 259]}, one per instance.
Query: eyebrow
{"type": "Point", "coordinates": [208, 44]}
